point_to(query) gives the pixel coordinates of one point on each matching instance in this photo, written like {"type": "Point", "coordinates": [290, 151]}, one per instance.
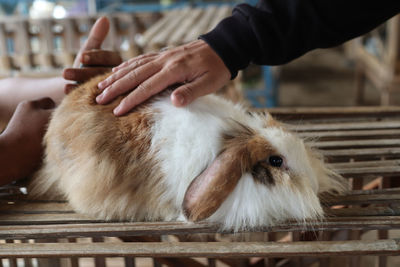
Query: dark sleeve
{"type": "Point", "coordinates": [277, 31]}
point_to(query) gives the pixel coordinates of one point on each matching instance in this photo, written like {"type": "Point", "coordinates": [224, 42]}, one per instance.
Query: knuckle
{"type": "Point", "coordinates": [132, 76]}
{"type": "Point", "coordinates": [187, 89]}
{"type": "Point", "coordinates": [143, 87]}
{"type": "Point", "coordinates": [138, 62]}
{"type": "Point", "coordinates": [173, 65]}
{"type": "Point", "coordinates": [167, 54]}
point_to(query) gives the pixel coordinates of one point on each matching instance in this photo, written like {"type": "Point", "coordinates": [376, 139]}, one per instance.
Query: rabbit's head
{"type": "Point", "coordinates": [260, 177]}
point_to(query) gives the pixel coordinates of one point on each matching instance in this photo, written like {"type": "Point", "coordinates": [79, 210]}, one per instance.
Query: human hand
{"type": "Point", "coordinates": [95, 61]}
{"type": "Point", "coordinates": [22, 139]}
{"type": "Point", "coordinates": [200, 70]}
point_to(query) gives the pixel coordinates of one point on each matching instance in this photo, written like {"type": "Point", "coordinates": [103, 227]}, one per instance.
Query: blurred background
{"type": "Point", "coordinates": [38, 38]}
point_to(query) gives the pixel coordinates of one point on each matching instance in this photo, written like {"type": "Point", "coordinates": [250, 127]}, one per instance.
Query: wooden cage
{"type": "Point", "coordinates": [362, 144]}
{"type": "Point", "coordinates": [43, 47]}
{"type": "Point", "coordinates": [377, 56]}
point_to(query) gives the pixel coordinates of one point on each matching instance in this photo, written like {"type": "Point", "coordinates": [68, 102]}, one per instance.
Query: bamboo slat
{"type": "Point", "coordinates": [204, 249]}
{"type": "Point", "coordinates": [366, 152]}
{"type": "Point", "coordinates": [182, 26]}
{"type": "Point", "coordinates": [350, 134]}
{"type": "Point", "coordinates": [387, 171]}
{"type": "Point", "coordinates": [361, 164]}
{"type": "Point", "coordinates": [357, 143]}
{"type": "Point", "coordinates": [352, 113]}
{"type": "Point", "coordinates": [371, 219]}
{"type": "Point", "coordinates": [201, 25]}
{"type": "Point", "coordinates": [348, 126]}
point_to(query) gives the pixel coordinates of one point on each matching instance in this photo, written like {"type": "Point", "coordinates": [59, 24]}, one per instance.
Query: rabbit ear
{"type": "Point", "coordinates": [208, 190]}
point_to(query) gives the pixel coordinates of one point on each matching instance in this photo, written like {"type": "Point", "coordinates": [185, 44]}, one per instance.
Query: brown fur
{"type": "Point", "coordinates": [117, 149]}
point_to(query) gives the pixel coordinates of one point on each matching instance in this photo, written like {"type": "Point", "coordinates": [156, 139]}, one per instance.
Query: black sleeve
{"type": "Point", "coordinates": [277, 31]}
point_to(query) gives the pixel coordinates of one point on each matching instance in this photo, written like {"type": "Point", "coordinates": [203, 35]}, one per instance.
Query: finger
{"type": "Point", "coordinates": [83, 74]}
{"type": "Point", "coordinates": [69, 87]}
{"type": "Point", "coordinates": [144, 91]}
{"type": "Point", "coordinates": [188, 92]}
{"type": "Point", "coordinates": [127, 82]}
{"type": "Point", "coordinates": [96, 37]}
{"type": "Point", "coordinates": [130, 61]}
{"type": "Point", "coordinates": [97, 34]}
{"type": "Point", "coordinates": [44, 103]}
{"type": "Point", "coordinates": [101, 58]}
{"type": "Point", "coordinates": [124, 71]}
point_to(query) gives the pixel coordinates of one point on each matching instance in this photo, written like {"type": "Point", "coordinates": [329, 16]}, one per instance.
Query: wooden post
{"type": "Point", "coordinates": [132, 32]}
{"type": "Point", "coordinates": [46, 43]}
{"type": "Point", "coordinates": [359, 84]}
{"type": "Point", "coordinates": [5, 63]}
{"type": "Point", "coordinates": [12, 262]}
{"type": "Point", "coordinates": [70, 41]}
{"type": "Point", "coordinates": [23, 45]}
{"type": "Point", "coordinates": [99, 261]}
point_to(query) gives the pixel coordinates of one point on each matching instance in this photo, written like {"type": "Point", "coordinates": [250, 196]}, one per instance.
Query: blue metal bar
{"type": "Point", "coordinates": [266, 96]}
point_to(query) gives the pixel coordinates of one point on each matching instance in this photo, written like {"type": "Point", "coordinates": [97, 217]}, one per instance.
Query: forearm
{"type": "Point", "coordinates": [15, 90]}
{"type": "Point", "coordinates": [277, 31]}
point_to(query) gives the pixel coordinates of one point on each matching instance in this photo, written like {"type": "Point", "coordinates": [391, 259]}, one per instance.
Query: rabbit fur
{"type": "Point", "coordinates": [208, 161]}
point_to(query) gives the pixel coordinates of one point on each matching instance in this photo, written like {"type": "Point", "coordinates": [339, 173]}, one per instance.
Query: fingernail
{"type": "Point", "coordinates": [117, 110]}
{"type": "Point", "coordinates": [179, 99]}
{"type": "Point", "coordinates": [101, 84]}
{"type": "Point", "coordinates": [99, 98]}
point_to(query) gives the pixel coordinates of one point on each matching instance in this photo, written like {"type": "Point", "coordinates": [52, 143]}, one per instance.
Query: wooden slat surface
{"type": "Point", "coordinates": [204, 249]}
{"type": "Point", "coordinates": [345, 113]}
{"type": "Point", "coordinates": [358, 143]}
{"type": "Point", "coordinates": [364, 172]}
{"type": "Point", "coordinates": [348, 126]}
{"type": "Point", "coordinates": [350, 134]}
{"type": "Point", "coordinates": [90, 228]}
{"type": "Point", "coordinates": [371, 152]}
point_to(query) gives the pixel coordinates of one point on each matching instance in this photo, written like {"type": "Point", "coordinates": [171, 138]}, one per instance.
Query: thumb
{"type": "Point", "coordinates": [188, 92]}
{"type": "Point", "coordinates": [97, 34]}
{"type": "Point", "coordinates": [95, 39]}
{"type": "Point", "coordinates": [44, 103]}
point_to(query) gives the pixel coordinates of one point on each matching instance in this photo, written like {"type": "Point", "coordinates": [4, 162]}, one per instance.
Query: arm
{"type": "Point", "coordinates": [15, 90]}
{"type": "Point", "coordinates": [278, 31]}
{"type": "Point", "coordinates": [274, 32]}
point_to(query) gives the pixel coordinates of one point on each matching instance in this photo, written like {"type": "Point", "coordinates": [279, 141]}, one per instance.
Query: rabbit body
{"type": "Point", "coordinates": [208, 161]}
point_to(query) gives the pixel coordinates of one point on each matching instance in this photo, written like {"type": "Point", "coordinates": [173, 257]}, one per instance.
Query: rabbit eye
{"type": "Point", "coordinates": [275, 161]}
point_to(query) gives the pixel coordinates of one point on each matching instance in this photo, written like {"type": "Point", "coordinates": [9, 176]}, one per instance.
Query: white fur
{"type": "Point", "coordinates": [188, 139]}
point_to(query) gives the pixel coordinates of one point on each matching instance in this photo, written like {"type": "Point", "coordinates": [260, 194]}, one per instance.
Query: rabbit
{"type": "Point", "coordinates": [211, 161]}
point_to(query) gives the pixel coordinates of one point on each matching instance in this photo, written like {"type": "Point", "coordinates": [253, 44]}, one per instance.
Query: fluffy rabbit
{"type": "Point", "coordinates": [212, 160]}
